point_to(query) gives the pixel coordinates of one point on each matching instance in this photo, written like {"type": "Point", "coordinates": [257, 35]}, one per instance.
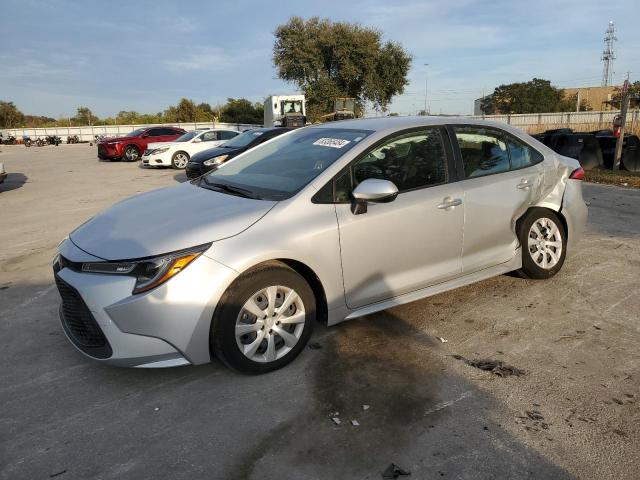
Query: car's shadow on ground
{"type": "Point", "coordinates": [180, 177]}
{"type": "Point", "coordinates": [13, 181]}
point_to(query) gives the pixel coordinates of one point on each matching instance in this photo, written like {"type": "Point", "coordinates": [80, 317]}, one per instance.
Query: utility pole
{"type": "Point", "coordinates": [426, 89]}
{"type": "Point", "coordinates": [608, 55]}
{"type": "Point", "coordinates": [578, 101]}
{"type": "Point", "coordinates": [623, 113]}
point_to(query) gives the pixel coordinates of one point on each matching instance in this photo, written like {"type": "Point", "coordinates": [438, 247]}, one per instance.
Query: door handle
{"type": "Point", "coordinates": [448, 202]}
{"type": "Point", "coordinates": [525, 185]}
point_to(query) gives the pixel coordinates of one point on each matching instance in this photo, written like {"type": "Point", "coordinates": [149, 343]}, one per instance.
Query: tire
{"type": "Point", "coordinates": [540, 256]}
{"type": "Point", "coordinates": [131, 154]}
{"type": "Point", "coordinates": [252, 289]}
{"type": "Point", "coordinates": [179, 160]}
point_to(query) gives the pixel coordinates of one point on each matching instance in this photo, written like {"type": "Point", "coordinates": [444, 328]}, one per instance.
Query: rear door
{"type": "Point", "coordinates": [412, 242]}
{"type": "Point", "coordinates": [500, 178]}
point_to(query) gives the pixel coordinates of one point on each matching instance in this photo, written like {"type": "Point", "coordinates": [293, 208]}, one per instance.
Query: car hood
{"type": "Point", "coordinates": [166, 220]}
{"type": "Point", "coordinates": [151, 146]}
{"type": "Point", "coordinates": [214, 152]}
{"type": "Point", "coordinates": [115, 139]}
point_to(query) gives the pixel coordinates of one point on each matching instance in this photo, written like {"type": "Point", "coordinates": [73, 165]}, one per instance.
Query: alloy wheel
{"type": "Point", "coordinates": [545, 243]}
{"type": "Point", "coordinates": [131, 154]}
{"type": "Point", "coordinates": [270, 324]}
{"type": "Point", "coordinates": [180, 160]}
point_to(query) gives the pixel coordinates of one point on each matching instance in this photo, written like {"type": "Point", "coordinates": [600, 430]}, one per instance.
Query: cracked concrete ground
{"type": "Point", "coordinates": [577, 336]}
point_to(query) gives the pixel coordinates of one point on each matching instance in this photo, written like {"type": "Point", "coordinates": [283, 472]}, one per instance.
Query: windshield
{"type": "Point", "coordinates": [281, 167]}
{"type": "Point", "coordinates": [290, 106]}
{"type": "Point", "coordinates": [243, 139]}
{"type": "Point", "coordinates": [135, 133]}
{"type": "Point", "coordinates": [187, 136]}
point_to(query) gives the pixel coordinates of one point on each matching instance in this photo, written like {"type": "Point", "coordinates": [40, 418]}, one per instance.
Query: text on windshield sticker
{"type": "Point", "coordinates": [331, 142]}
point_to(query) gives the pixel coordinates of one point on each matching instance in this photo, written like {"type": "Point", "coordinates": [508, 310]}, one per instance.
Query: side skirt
{"type": "Point", "coordinates": [513, 264]}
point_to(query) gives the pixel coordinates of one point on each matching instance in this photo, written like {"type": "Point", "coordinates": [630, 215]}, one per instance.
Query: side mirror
{"type": "Point", "coordinates": [144, 135]}
{"type": "Point", "coordinates": [372, 190]}
{"type": "Point", "coordinates": [197, 140]}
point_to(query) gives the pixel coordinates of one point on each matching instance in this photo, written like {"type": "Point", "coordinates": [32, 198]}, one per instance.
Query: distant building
{"type": "Point", "coordinates": [597, 98]}
{"type": "Point", "coordinates": [477, 106]}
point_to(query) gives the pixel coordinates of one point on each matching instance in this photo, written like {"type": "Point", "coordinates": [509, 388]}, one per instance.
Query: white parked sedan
{"type": "Point", "coordinates": [177, 153]}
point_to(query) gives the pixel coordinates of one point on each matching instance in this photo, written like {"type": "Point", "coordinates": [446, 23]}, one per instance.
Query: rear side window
{"type": "Point", "coordinates": [210, 136]}
{"type": "Point", "coordinates": [227, 135]}
{"type": "Point", "coordinates": [155, 132]}
{"type": "Point", "coordinates": [521, 154]}
{"type": "Point", "coordinates": [484, 151]}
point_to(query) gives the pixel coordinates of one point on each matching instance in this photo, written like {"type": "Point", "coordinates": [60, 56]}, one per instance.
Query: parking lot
{"type": "Point", "coordinates": [575, 413]}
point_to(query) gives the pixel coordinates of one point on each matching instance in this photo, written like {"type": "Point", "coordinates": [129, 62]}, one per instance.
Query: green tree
{"type": "Point", "coordinates": [242, 110]}
{"type": "Point", "coordinates": [534, 96]}
{"type": "Point", "coordinates": [204, 113]}
{"type": "Point", "coordinates": [10, 116]}
{"type": "Point", "coordinates": [328, 59]}
{"type": "Point", "coordinates": [84, 116]}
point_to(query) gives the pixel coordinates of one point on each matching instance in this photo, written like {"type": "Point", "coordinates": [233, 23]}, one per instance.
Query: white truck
{"type": "Point", "coordinates": [285, 111]}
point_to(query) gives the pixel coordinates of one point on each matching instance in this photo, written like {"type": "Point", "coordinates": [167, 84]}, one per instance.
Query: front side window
{"type": "Point", "coordinates": [484, 151]}
{"type": "Point", "coordinates": [186, 137]}
{"type": "Point", "coordinates": [278, 169]}
{"type": "Point", "coordinates": [210, 136]}
{"type": "Point", "coordinates": [136, 133]}
{"type": "Point", "coordinates": [244, 139]}
{"type": "Point", "coordinates": [411, 160]}
{"type": "Point", "coordinates": [156, 132]}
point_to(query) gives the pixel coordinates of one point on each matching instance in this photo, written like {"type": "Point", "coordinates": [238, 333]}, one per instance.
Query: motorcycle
{"type": "Point", "coordinates": [40, 142]}
{"type": "Point", "coordinates": [11, 140]}
{"type": "Point", "coordinates": [53, 140]}
{"type": "Point", "coordinates": [73, 139]}
{"type": "Point", "coordinates": [27, 141]}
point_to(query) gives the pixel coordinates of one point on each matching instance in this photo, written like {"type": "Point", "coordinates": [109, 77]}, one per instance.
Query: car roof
{"type": "Point", "coordinates": [380, 124]}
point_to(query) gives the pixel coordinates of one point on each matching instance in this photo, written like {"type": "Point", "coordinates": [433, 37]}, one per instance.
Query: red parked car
{"type": "Point", "coordinates": [131, 146]}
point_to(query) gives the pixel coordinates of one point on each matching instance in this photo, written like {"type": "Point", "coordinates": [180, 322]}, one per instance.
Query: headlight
{"type": "Point", "coordinates": [113, 143]}
{"type": "Point", "coordinates": [216, 160]}
{"type": "Point", "coordinates": [159, 150]}
{"type": "Point", "coordinates": [150, 272]}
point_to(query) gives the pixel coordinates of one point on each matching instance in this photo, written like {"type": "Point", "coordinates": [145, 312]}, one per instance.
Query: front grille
{"type": "Point", "coordinates": [79, 324]}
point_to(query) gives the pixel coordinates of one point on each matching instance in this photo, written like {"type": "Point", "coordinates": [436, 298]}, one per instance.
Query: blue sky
{"type": "Point", "coordinates": [145, 56]}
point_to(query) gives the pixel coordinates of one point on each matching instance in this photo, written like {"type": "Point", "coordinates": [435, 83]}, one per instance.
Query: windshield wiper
{"type": "Point", "coordinates": [242, 192]}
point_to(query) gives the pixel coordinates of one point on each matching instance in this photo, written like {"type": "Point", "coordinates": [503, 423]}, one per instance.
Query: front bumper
{"type": "Point", "coordinates": [108, 152]}
{"type": "Point", "coordinates": [167, 326]}
{"type": "Point", "coordinates": [196, 169]}
{"type": "Point", "coordinates": [151, 160]}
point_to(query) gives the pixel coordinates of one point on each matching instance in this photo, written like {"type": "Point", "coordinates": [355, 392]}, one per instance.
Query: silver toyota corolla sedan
{"type": "Point", "coordinates": [329, 223]}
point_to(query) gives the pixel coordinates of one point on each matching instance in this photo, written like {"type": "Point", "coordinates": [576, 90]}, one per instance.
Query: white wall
{"type": "Point", "coordinates": [87, 133]}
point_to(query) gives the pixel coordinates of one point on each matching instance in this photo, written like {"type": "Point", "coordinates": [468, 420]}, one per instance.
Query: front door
{"type": "Point", "coordinates": [416, 240]}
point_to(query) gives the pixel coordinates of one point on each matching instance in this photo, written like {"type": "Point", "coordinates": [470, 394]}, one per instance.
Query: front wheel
{"type": "Point", "coordinates": [544, 244]}
{"type": "Point", "coordinates": [264, 320]}
{"type": "Point", "coordinates": [131, 154]}
{"type": "Point", "coordinates": [179, 160]}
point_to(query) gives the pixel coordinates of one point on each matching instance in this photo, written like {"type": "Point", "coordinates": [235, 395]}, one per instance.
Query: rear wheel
{"type": "Point", "coordinates": [544, 244]}
{"type": "Point", "coordinates": [131, 153]}
{"type": "Point", "coordinates": [264, 319]}
{"type": "Point", "coordinates": [179, 160]}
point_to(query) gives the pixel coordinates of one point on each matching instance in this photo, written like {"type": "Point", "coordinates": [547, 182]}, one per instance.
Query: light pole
{"type": "Point", "coordinates": [426, 88]}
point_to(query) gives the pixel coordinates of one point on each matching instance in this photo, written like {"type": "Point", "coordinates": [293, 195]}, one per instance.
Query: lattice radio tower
{"type": "Point", "coordinates": [608, 55]}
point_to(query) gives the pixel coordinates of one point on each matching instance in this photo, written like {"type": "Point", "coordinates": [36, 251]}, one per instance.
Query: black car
{"type": "Point", "coordinates": [207, 160]}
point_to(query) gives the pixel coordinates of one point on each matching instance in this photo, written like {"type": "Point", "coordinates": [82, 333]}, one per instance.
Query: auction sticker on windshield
{"type": "Point", "coordinates": [331, 142]}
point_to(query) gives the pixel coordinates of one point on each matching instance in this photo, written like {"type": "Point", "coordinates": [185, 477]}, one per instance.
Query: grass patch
{"type": "Point", "coordinates": [609, 177]}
